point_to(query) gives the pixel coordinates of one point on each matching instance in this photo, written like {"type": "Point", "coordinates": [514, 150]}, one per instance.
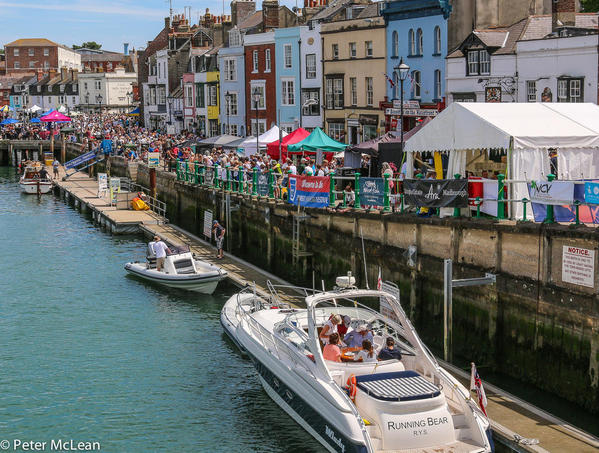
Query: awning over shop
{"type": "Point", "coordinates": [317, 140]}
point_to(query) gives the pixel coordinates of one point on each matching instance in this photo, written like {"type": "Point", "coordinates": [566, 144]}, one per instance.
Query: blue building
{"type": "Point", "coordinates": [231, 64]}
{"type": "Point", "coordinates": [416, 30]}
{"type": "Point", "coordinates": [287, 42]}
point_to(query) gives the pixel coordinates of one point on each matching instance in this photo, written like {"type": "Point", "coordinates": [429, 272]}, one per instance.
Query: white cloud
{"type": "Point", "coordinates": [88, 7]}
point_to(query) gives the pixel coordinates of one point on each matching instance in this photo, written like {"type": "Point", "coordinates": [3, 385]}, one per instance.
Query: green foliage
{"type": "Point", "coordinates": [590, 6]}
{"type": "Point", "coordinates": [88, 45]}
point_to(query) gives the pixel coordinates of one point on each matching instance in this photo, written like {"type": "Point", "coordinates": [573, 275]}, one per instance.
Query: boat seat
{"type": "Point", "coordinates": [397, 386]}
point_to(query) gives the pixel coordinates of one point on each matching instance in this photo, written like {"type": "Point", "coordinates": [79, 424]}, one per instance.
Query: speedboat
{"type": "Point", "coordinates": [407, 405]}
{"type": "Point", "coordinates": [181, 270]}
{"type": "Point", "coordinates": [31, 182]}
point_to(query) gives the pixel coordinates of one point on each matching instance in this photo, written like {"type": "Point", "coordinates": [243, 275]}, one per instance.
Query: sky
{"type": "Point", "coordinates": [108, 22]}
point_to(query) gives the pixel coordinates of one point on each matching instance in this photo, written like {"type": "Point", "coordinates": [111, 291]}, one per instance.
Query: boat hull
{"type": "Point", "coordinates": [201, 283]}
{"type": "Point", "coordinates": [30, 187]}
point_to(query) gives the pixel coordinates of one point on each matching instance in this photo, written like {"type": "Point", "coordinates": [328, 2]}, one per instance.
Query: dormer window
{"type": "Point", "coordinates": [478, 62]}
{"type": "Point", "coordinates": [234, 38]}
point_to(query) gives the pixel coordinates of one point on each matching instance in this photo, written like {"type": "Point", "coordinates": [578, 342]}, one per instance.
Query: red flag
{"type": "Point", "coordinates": [477, 384]}
{"type": "Point", "coordinates": [390, 80]}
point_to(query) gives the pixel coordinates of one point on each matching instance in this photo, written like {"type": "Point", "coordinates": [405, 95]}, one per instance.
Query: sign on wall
{"type": "Point", "coordinates": [578, 266]}
{"type": "Point", "coordinates": [208, 224]}
{"type": "Point", "coordinates": [153, 160]}
{"type": "Point", "coordinates": [372, 191]}
{"type": "Point", "coordinates": [102, 184]}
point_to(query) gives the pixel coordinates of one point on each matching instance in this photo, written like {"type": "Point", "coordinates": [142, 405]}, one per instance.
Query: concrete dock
{"type": "Point", "coordinates": [511, 418]}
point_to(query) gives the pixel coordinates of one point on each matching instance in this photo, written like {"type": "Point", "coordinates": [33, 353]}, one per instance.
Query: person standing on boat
{"type": "Point", "coordinates": [160, 249]}
{"type": "Point", "coordinates": [219, 236]}
{"type": "Point", "coordinates": [329, 328]}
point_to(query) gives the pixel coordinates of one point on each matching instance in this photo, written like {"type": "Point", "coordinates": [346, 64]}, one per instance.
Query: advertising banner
{"type": "Point", "coordinates": [567, 212]}
{"type": "Point", "coordinates": [102, 184]}
{"type": "Point", "coordinates": [263, 184]}
{"type": "Point", "coordinates": [591, 192]}
{"type": "Point", "coordinates": [554, 192]}
{"type": "Point", "coordinates": [372, 191]}
{"type": "Point", "coordinates": [153, 160]}
{"type": "Point", "coordinates": [80, 160]}
{"type": "Point", "coordinates": [436, 193]}
{"type": "Point", "coordinates": [309, 191]}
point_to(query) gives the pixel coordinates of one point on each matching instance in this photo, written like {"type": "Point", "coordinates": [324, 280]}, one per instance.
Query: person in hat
{"type": "Point", "coordinates": [159, 248]}
{"type": "Point", "coordinates": [219, 236]}
{"type": "Point", "coordinates": [355, 338]}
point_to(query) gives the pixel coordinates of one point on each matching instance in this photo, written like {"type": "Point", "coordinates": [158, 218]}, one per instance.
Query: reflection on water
{"type": "Point", "coordinates": [94, 355]}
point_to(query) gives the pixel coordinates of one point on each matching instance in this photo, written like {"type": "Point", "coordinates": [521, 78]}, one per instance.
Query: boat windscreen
{"type": "Point", "coordinates": [177, 249]}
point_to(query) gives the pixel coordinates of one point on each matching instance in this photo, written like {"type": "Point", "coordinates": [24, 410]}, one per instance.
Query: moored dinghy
{"type": "Point", "coordinates": [33, 182]}
{"type": "Point", "coordinates": [406, 405]}
{"type": "Point", "coordinates": [181, 270]}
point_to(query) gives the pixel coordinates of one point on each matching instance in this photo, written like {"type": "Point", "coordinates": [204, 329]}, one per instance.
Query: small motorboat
{"type": "Point", "coordinates": [181, 270]}
{"type": "Point", "coordinates": [32, 181]}
{"type": "Point", "coordinates": [403, 405]}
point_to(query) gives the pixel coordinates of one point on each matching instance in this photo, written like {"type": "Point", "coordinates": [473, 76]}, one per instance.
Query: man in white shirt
{"type": "Point", "coordinates": [160, 249]}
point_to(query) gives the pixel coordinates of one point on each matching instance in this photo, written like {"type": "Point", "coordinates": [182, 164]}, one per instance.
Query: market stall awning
{"type": "Point", "coordinates": [474, 125]}
{"type": "Point", "coordinates": [217, 140]}
{"type": "Point", "coordinates": [9, 121]}
{"type": "Point", "coordinates": [35, 120]}
{"type": "Point", "coordinates": [55, 117]}
{"type": "Point", "coordinates": [237, 143]}
{"type": "Point", "coordinates": [294, 137]}
{"type": "Point", "coordinates": [35, 108]}
{"type": "Point", "coordinates": [134, 112]}
{"type": "Point", "coordinates": [317, 140]}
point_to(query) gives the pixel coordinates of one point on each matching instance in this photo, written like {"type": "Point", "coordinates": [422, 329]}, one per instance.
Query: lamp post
{"type": "Point", "coordinates": [228, 110]}
{"type": "Point", "coordinates": [256, 98]}
{"type": "Point", "coordinates": [402, 70]}
{"type": "Point", "coordinates": [99, 101]}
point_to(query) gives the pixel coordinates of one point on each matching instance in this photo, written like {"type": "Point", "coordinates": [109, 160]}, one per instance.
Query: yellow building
{"type": "Point", "coordinates": [354, 61]}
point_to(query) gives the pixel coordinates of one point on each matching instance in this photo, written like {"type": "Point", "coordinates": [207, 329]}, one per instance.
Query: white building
{"type": "Point", "coordinates": [110, 92]}
{"type": "Point", "coordinates": [311, 76]}
{"type": "Point", "coordinates": [526, 62]}
{"type": "Point", "coordinates": [155, 91]}
{"type": "Point", "coordinates": [54, 91]}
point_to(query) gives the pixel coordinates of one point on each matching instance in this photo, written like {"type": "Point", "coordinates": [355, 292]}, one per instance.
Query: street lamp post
{"type": "Point", "coordinates": [256, 98]}
{"type": "Point", "coordinates": [99, 101]}
{"type": "Point", "coordinates": [228, 107]}
{"type": "Point", "coordinates": [402, 70]}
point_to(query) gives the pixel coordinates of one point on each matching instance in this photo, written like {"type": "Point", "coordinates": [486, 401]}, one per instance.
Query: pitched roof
{"type": "Point", "coordinates": [540, 26]}
{"type": "Point", "coordinates": [104, 56]}
{"type": "Point", "coordinates": [31, 42]}
{"type": "Point", "coordinates": [252, 21]}
{"type": "Point", "coordinates": [371, 10]}
{"type": "Point", "coordinates": [331, 9]}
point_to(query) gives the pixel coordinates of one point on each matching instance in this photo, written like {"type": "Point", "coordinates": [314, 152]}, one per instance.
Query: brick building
{"type": "Point", "coordinates": [28, 55]}
{"type": "Point", "coordinates": [260, 76]}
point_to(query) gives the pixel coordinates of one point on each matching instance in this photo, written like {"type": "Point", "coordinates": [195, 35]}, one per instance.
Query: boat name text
{"type": "Point", "coordinates": [336, 440]}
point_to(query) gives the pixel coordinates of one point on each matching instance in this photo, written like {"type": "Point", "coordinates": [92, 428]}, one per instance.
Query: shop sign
{"type": "Point", "coordinates": [578, 266]}
{"type": "Point", "coordinates": [412, 112]}
{"type": "Point", "coordinates": [406, 104]}
{"type": "Point", "coordinates": [551, 192]}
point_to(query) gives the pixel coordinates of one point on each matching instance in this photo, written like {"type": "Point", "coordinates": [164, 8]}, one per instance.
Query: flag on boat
{"type": "Point", "coordinates": [379, 281]}
{"type": "Point", "coordinates": [477, 385]}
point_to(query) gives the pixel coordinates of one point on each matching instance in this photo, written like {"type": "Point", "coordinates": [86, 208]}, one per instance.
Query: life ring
{"type": "Point", "coordinates": [352, 387]}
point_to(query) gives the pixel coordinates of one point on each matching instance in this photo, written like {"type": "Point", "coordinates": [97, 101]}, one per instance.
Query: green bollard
{"type": "Point", "coordinates": [386, 202]}
{"type": "Point", "coordinates": [178, 171]}
{"type": "Point", "coordinates": [332, 189]}
{"type": "Point", "coordinates": [357, 191]}
{"type": "Point", "coordinates": [240, 180]}
{"type": "Point", "coordinates": [229, 177]}
{"type": "Point", "coordinates": [215, 179]}
{"type": "Point", "coordinates": [500, 203]}
{"type": "Point", "coordinates": [255, 181]}
{"type": "Point", "coordinates": [456, 211]}
{"type": "Point", "coordinates": [577, 207]}
{"type": "Point", "coordinates": [477, 202]}
{"type": "Point", "coordinates": [271, 184]}
{"type": "Point", "coordinates": [549, 217]}
{"type": "Point", "coordinates": [401, 205]}
{"type": "Point", "coordinates": [524, 203]}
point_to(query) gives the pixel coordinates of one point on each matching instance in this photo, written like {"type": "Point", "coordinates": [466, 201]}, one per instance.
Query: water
{"type": "Point", "coordinates": [90, 354]}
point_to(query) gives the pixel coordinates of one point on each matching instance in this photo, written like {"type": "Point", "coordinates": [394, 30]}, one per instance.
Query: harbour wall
{"type": "Point", "coordinates": [531, 325]}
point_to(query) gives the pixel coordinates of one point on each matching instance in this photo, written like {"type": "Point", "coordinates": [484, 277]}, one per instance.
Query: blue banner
{"type": "Point", "coordinates": [309, 191]}
{"type": "Point", "coordinates": [591, 192]}
{"type": "Point", "coordinates": [263, 184]}
{"type": "Point", "coordinates": [80, 160]}
{"type": "Point", "coordinates": [567, 213]}
{"type": "Point", "coordinates": [372, 191]}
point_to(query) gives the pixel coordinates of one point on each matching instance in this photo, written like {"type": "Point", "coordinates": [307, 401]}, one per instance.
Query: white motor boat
{"type": "Point", "coordinates": [181, 270]}
{"type": "Point", "coordinates": [32, 182]}
{"type": "Point", "coordinates": [408, 405]}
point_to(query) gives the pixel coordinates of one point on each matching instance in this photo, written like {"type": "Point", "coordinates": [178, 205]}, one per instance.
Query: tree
{"type": "Point", "coordinates": [590, 6]}
{"type": "Point", "coordinates": [88, 45]}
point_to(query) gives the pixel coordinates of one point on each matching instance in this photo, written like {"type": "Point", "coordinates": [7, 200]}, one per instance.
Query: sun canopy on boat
{"type": "Point", "coordinates": [294, 137]}
{"type": "Point", "coordinates": [317, 140]}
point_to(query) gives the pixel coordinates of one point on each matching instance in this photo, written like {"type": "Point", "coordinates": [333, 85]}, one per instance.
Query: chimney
{"type": "Point", "coordinates": [270, 14]}
{"type": "Point", "coordinates": [241, 10]}
{"type": "Point", "coordinates": [126, 48]}
{"type": "Point", "coordinates": [40, 75]}
{"type": "Point", "coordinates": [52, 73]}
{"type": "Point", "coordinates": [74, 74]}
{"type": "Point", "coordinates": [64, 72]}
{"type": "Point", "coordinates": [563, 13]}
{"type": "Point", "coordinates": [167, 23]}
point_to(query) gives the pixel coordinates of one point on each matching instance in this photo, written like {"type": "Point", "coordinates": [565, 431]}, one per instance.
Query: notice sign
{"type": "Point", "coordinates": [153, 160]}
{"type": "Point", "coordinates": [102, 184]}
{"type": "Point", "coordinates": [578, 266]}
{"type": "Point", "coordinates": [208, 224]}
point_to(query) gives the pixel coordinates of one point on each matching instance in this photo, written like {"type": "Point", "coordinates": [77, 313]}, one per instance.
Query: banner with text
{"type": "Point", "coordinates": [80, 160]}
{"type": "Point", "coordinates": [436, 193]}
{"type": "Point", "coordinates": [309, 191]}
{"type": "Point", "coordinates": [263, 184]}
{"type": "Point", "coordinates": [372, 191]}
{"type": "Point", "coordinates": [554, 192]}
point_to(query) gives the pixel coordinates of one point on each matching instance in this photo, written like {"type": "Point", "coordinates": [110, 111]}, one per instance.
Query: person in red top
{"type": "Point", "coordinates": [342, 328]}
{"type": "Point", "coordinates": [331, 351]}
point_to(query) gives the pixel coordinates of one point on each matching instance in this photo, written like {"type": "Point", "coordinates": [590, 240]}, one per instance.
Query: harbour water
{"type": "Point", "coordinates": [92, 355]}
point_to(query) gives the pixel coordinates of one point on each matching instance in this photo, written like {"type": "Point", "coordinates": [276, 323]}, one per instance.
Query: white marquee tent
{"type": "Point", "coordinates": [525, 130]}
{"type": "Point", "coordinates": [271, 135]}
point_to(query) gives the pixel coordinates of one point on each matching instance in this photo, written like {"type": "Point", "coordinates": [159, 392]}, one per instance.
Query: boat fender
{"type": "Point", "coordinates": [352, 387]}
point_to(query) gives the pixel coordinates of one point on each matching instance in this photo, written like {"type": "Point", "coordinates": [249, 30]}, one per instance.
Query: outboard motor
{"type": "Point", "coordinates": [151, 257]}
